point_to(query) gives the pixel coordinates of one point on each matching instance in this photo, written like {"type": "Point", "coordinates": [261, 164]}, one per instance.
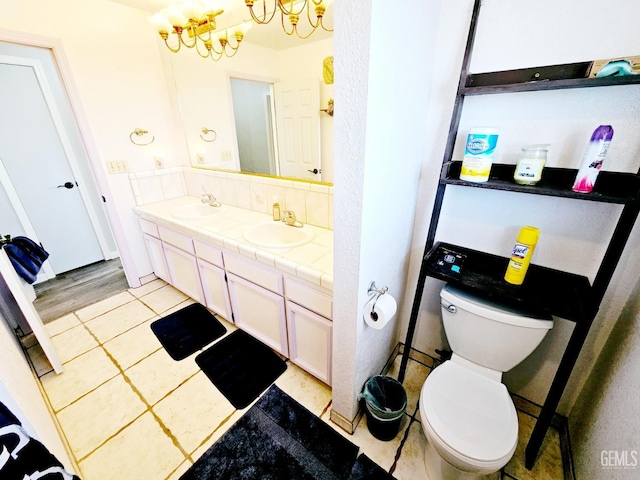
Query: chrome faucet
{"type": "Point", "coordinates": [289, 218]}
{"type": "Point", "coordinates": [210, 199]}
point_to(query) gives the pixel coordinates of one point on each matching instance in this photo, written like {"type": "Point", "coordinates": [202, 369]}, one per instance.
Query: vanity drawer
{"type": "Point", "coordinates": [308, 297]}
{"type": "Point", "coordinates": [149, 228]}
{"type": "Point", "coordinates": [183, 242]}
{"type": "Point", "coordinates": [257, 274]}
{"type": "Point", "coordinates": [208, 253]}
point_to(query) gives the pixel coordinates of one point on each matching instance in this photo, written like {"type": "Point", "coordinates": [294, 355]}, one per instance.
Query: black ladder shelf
{"type": "Point", "coordinates": [550, 291]}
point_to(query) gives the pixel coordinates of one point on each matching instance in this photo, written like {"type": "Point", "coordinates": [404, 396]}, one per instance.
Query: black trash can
{"type": "Point", "coordinates": [386, 402]}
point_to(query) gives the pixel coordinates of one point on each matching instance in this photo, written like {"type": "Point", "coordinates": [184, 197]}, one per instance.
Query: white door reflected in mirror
{"type": "Point", "coordinates": [278, 127]}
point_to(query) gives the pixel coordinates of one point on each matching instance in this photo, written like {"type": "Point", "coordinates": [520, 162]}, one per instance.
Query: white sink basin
{"type": "Point", "coordinates": [277, 235]}
{"type": "Point", "coordinates": [197, 211]}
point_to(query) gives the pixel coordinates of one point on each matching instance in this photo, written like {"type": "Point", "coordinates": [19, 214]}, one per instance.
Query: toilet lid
{"type": "Point", "coordinates": [471, 413]}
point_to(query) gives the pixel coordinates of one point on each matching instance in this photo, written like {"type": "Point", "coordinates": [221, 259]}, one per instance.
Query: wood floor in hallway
{"type": "Point", "coordinates": [79, 288]}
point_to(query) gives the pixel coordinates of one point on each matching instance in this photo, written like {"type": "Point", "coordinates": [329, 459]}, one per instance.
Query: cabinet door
{"type": "Point", "coordinates": [183, 270]}
{"type": "Point", "coordinates": [259, 312]}
{"type": "Point", "coordinates": [214, 288]}
{"type": "Point", "coordinates": [310, 341]}
{"type": "Point", "coordinates": [156, 256]}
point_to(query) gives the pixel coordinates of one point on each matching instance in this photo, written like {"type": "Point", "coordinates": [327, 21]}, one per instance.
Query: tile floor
{"type": "Point", "coordinates": [129, 411]}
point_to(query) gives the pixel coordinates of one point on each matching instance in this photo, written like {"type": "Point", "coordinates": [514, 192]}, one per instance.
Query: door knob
{"type": "Point", "coordinates": [66, 185]}
{"type": "Point", "coordinates": [315, 170]}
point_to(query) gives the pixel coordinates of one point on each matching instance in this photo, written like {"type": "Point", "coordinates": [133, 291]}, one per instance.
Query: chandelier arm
{"type": "Point", "coordinates": [303, 37]}
{"type": "Point", "coordinates": [234, 50]}
{"type": "Point", "coordinates": [216, 57]}
{"type": "Point", "coordinates": [264, 20]}
{"type": "Point", "coordinates": [284, 27]}
{"type": "Point", "coordinates": [186, 43]}
{"type": "Point", "coordinates": [317, 22]}
{"type": "Point", "coordinates": [173, 49]}
{"type": "Point", "coordinates": [283, 9]}
{"type": "Point", "coordinates": [323, 27]}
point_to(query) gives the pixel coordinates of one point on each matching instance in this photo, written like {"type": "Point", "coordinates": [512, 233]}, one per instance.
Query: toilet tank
{"type": "Point", "coordinates": [489, 334]}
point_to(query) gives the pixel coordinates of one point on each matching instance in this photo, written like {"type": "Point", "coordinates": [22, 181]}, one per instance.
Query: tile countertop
{"type": "Point", "coordinates": [312, 261]}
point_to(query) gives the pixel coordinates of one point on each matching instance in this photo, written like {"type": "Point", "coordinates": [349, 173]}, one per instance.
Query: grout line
{"type": "Point", "coordinates": [164, 428]}
{"type": "Point", "coordinates": [402, 443]}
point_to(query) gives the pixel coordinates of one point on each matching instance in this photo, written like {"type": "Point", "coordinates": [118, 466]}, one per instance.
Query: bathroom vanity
{"type": "Point", "coordinates": [280, 294]}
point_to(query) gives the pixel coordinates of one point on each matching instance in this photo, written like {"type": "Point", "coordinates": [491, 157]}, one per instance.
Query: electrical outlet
{"type": "Point", "coordinates": [226, 155]}
{"type": "Point", "coordinates": [117, 166]}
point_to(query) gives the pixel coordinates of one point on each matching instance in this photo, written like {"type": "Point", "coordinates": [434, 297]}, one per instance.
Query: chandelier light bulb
{"type": "Point", "coordinates": [192, 10]}
{"type": "Point", "coordinates": [175, 16]}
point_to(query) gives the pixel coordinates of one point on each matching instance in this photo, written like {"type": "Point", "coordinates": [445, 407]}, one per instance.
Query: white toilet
{"type": "Point", "coordinates": [467, 414]}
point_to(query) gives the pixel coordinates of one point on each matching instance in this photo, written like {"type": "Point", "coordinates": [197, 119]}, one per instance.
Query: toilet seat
{"type": "Point", "coordinates": [471, 416]}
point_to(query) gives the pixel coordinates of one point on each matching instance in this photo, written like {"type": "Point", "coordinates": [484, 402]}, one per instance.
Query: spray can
{"type": "Point", "coordinates": [592, 159]}
{"type": "Point", "coordinates": [521, 255]}
{"type": "Point", "coordinates": [478, 154]}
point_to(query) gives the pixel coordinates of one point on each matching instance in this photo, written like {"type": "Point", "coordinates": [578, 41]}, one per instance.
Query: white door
{"type": "Point", "coordinates": [34, 156]}
{"type": "Point", "coordinates": [297, 107]}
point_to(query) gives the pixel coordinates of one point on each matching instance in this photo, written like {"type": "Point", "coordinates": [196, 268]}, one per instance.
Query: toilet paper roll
{"type": "Point", "coordinates": [385, 309]}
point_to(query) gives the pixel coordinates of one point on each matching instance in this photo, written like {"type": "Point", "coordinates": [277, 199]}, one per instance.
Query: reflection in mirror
{"type": "Point", "coordinates": [252, 111]}
{"type": "Point", "coordinates": [205, 98]}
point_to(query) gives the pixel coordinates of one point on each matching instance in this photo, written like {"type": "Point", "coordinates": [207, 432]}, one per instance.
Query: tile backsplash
{"type": "Point", "coordinates": [312, 203]}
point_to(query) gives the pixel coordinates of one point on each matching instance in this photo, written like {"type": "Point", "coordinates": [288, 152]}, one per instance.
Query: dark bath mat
{"type": "Point", "coordinates": [367, 469]}
{"type": "Point", "coordinates": [277, 439]}
{"type": "Point", "coordinates": [241, 367]}
{"type": "Point", "coordinates": [188, 330]}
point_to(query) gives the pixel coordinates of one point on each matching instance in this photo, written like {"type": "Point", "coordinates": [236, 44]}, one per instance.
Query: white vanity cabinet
{"type": "Point", "coordinates": [289, 314]}
{"type": "Point", "coordinates": [181, 263]}
{"type": "Point", "coordinates": [155, 250]}
{"type": "Point", "coordinates": [257, 301]}
{"type": "Point", "coordinates": [309, 328]}
{"type": "Point", "coordinates": [213, 278]}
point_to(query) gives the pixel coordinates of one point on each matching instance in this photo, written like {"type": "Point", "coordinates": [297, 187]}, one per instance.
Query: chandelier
{"type": "Point", "coordinates": [193, 25]}
{"type": "Point", "coordinates": [293, 10]}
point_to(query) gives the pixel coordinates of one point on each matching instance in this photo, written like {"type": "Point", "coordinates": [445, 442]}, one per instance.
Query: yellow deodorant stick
{"type": "Point", "coordinates": [521, 255]}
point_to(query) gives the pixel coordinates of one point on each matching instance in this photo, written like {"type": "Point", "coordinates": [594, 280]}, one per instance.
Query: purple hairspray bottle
{"type": "Point", "coordinates": [592, 160]}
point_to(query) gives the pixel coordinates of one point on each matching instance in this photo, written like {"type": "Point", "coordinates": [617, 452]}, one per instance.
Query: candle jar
{"type": "Point", "coordinates": [530, 164]}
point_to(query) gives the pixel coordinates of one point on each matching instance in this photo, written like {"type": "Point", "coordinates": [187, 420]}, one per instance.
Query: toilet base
{"type": "Point", "coordinates": [439, 469]}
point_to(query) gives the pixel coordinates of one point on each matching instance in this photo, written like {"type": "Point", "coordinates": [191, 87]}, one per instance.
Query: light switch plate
{"type": "Point", "coordinates": [117, 166]}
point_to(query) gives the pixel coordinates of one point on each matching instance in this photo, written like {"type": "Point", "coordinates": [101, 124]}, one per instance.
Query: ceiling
{"type": "Point", "coordinates": [235, 11]}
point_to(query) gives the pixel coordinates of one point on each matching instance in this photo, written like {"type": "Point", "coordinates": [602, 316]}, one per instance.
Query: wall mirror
{"type": "Point", "coordinates": [262, 110]}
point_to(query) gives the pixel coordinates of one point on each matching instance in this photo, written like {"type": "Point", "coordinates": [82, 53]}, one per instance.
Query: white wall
{"type": "Point", "coordinates": [606, 416]}
{"type": "Point", "coordinates": [20, 393]}
{"type": "Point", "coordinates": [117, 75]}
{"type": "Point", "coordinates": [574, 234]}
{"type": "Point", "coordinates": [379, 151]}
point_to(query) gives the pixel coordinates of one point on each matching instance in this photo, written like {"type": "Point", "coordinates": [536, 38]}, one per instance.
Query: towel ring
{"type": "Point", "coordinates": [139, 132]}
{"type": "Point", "coordinates": [206, 131]}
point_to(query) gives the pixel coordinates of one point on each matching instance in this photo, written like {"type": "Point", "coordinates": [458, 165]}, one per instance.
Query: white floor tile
{"type": "Point", "coordinates": [141, 451]}
{"type": "Point", "coordinates": [99, 415]}
{"type": "Point", "coordinates": [130, 347]}
{"type": "Point", "coordinates": [80, 376]}
{"type": "Point", "coordinates": [193, 411]}
{"type": "Point", "coordinates": [159, 374]}
{"type": "Point", "coordinates": [119, 320]}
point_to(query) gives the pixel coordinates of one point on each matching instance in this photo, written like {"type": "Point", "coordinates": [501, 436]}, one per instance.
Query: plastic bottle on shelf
{"type": "Point", "coordinates": [530, 164]}
{"type": "Point", "coordinates": [592, 159]}
{"type": "Point", "coordinates": [521, 255]}
{"type": "Point", "coordinates": [478, 154]}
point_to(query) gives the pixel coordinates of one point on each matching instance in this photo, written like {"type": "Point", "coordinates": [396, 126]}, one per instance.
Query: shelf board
{"type": "Point", "coordinates": [537, 85]}
{"type": "Point", "coordinates": [611, 187]}
{"type": "Point", "coordinates": [545, 290]}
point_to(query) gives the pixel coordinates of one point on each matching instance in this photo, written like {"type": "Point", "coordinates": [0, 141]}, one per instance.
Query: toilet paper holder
{"type": "Point", "coordinates": [377, 292]}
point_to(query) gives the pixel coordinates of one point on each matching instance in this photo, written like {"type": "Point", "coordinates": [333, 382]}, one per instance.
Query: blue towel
{"type": "Point", "coordinates": [26, 256]}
